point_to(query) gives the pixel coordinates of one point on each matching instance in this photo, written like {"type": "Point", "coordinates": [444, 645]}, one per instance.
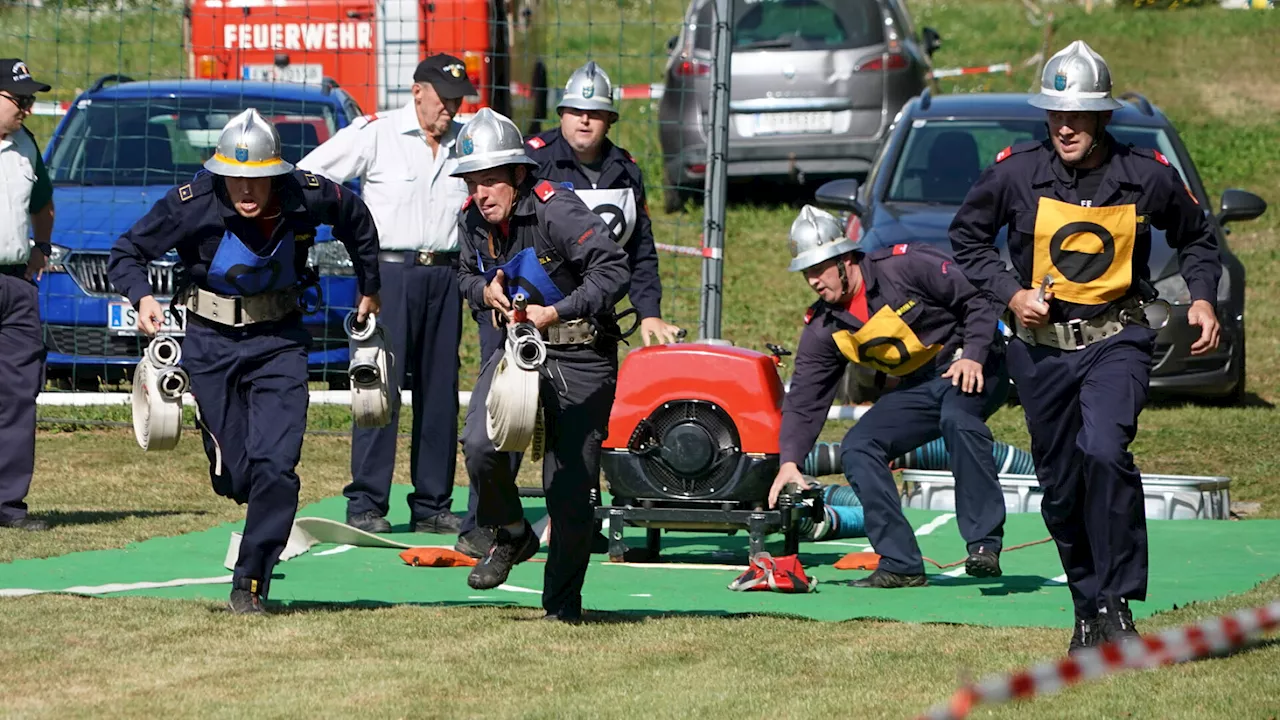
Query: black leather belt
{"type": "Point", "coordinates": [422, 257]}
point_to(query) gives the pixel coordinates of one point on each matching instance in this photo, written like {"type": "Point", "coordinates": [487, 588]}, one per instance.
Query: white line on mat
{"type": "Point", "coordinates": [335, 551]}
{"type": "Point", "coordinates": [118, 587]}
{"type": "Point", "coordinates": [517, 588]}
{"type": "Point", "coordinates": [1060, 580]}
{"type": "Point", "coordinates": [641, 595]}
{"type": "Point", "coordinates": [934, 524]}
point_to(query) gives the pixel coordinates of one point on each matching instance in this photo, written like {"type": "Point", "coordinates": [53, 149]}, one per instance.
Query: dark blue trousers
{"type": "Point", "coordinates": [250, 387]}
{"type": "Point", "coordinates": [422, 314]}
{"type": "Point", "coordinates": [1082, 411]}
{"type": "Point", "coordinates": [21, 376]}
{"type": "Point", "coordinates": [906, 418]}
{"type": "Point", "coordinates": [576, 402]}
{"type": "Point", "coordinates": [491, 342]}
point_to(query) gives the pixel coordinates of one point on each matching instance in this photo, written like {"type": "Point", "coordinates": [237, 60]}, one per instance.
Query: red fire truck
{"type": "Point", "coordinates": [370, 49]}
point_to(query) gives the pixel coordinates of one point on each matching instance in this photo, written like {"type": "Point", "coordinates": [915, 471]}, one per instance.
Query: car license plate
{"type": "Point", "coordinates": [307, 74]}
{"type": "Point", "coordinates": [122, 319]}
{"type": "Point", "coordinates": [793, 123]}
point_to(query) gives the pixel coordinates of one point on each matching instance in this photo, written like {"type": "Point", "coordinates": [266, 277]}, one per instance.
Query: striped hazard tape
{"type": "Point", "coordinates": [1176, 645]}
{"type": "Point", "coordinates": [1005, 68]}
{"type": "Point", "coordinates": [56, 109]}
{"type": "Point", "coordinates": [703, 252]}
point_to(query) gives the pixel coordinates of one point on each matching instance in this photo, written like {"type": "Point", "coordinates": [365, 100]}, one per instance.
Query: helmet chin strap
{"type": "Point", "coordinates": [844, 278]}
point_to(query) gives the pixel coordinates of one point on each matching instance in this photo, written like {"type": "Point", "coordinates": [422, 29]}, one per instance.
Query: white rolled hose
{"type": "Point", "coordinates": [158, 385]}
{"type": "Point", "coordinates": [512, 406]}
{"type": "Point", "coordinates": [370, 394]}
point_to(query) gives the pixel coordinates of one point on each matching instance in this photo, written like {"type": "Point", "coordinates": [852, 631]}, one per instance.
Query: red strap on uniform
{"type": "Point", "coordinates": [544, 190]}
{"type": "Point", "coordinates": [537, 143]}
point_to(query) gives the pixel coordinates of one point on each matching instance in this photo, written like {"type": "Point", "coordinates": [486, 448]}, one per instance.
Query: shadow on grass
{"type": "Point", "coordinates": [101, 517]}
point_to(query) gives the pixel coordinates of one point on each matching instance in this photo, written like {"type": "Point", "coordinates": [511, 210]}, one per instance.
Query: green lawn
{"type": "Point", "coordinates": [1213, 71]}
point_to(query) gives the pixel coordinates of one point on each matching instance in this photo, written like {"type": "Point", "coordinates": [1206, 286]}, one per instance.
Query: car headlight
{"type": "Point", "coordinates": [1174, 289]}
{"type": "Point", "coordinates": [330, 258]}
{"type": "Point", "coordinates": [57, 260]}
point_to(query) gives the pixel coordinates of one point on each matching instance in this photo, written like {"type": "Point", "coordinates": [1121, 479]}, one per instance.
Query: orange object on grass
{"type": "Point", "coordinates": [436, 557]}
{"type": "Point", "coordinates": [858, 561]}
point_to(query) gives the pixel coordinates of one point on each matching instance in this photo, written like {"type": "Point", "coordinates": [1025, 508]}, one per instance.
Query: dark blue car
{"type": "Point", "coordinates": [120, 148]}
{"type": "Point", "coordinates": [933, 154]}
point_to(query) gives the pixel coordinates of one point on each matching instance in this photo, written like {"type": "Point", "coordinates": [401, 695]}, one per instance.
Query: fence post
{"type": "Point", "coordinates": [717, 177]}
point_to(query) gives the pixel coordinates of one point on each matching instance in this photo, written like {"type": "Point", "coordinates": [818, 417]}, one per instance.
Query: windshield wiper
{"type": "Point", "coordinates": [775, 43]}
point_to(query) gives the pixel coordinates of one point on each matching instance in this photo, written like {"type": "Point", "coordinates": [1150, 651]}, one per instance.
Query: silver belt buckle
{"type": "Point", "coordinates": [1076, 332]}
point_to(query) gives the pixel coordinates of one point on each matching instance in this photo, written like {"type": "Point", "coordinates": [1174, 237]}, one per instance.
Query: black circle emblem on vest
{"type": "Point", "coordinates": [250, 280]}
{"type": "Point", "coordinates": [1082, 267]}
{"type": "Point", "coordinates": [617, 224]}
{"type": "Point", "coordinates": [864, 351]}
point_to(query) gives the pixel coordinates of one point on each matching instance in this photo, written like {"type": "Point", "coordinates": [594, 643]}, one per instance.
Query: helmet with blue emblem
{"type": "Point", "coordinates": [816, 237]}
{"type": "Point", "coordinates": [589, 88]}
{"type": "Point", "coordinates": [1076, 79]}
{"type": "Point", "coordinates": [249, 147]}
{"type": "Point", "coordinates": [490, 140]}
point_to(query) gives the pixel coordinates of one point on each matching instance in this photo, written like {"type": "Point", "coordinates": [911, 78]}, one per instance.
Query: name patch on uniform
{"type": "Point", "coordinates": [1087, 250]}
{"type": "Point", "coordinates": [886, 344]}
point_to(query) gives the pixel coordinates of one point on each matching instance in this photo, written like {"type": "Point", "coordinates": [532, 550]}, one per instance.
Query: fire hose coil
{"type": "Point", "coordinates": [512, 406]}
{"type": "Point", "coordinates": [158, 386]}
{"type": "Point", "coordinates": [370, 391]}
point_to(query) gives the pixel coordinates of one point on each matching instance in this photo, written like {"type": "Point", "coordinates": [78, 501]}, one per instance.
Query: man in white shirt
{"type": "Point", "coordinates": [404, 158]}
{"type": "Point", "coordinates": [26, 208]}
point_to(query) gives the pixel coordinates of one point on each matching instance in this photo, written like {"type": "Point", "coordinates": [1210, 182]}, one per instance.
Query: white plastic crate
{"type": "Point", "coordinates": [1167, 497]}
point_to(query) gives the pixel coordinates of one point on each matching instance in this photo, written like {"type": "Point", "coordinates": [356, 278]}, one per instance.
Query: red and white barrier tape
{"type": "Point", "coordinates": [703, 252]}
{"type": "Point", "coordinates": [56, 109]}
{"type": "Point", "coordinates": [1176, 645]}
{"type": "Point", "coordinates": [1005, 68]}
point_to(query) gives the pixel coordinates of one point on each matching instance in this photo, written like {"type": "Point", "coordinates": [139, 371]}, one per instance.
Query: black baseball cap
{"type": "Point", "coordinates": [447, 74]}
{"type": "Point", "coordinates": [16, 78]}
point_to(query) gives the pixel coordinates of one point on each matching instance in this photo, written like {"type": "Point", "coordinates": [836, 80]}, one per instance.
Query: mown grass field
{"type": "Point", "coordinates": [1214, 72]}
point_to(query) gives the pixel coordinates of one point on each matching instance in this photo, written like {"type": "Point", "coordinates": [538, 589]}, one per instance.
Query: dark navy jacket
{"type": "Point", "coordinates": [193, 218]}
{"type": "Point", "coordinates": [572, 244]}
{"type": "Point", "coordinates": [618, 171]}
{"type": "Point", "coordinates": [1010, 191]}
{"type": "Point", "coordinates": [914, 283]}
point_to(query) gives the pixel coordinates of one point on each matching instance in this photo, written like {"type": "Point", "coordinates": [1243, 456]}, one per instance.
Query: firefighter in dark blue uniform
{"type": "Point", "coordinates": [1080, 208]}
{"type": "Point", "coordinates": [579, 157]}
{"type": "Point", "coordinates": [522, 235]}
{"type": "Point", "coordinates": [242, 230]}
{"type": "Point", "coordinates": [908, 312]}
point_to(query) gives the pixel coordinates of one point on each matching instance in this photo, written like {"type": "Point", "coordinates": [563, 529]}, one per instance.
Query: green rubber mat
{"type": "Point", "coordinates": [1191, 560]}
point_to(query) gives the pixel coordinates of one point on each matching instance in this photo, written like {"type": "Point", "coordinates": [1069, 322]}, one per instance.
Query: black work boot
{"type": "Point", "coordinates": [1087, 634]}
{"type": "Point", "coordinates": [505, 552]}
{"type": "Point", "coordinates": [371, 521]}
{"type": "Point", "coordinates": [885, 580]}
{"type": "Point", "coordinates": [26, 522]}
{"type": "Point", "coordinates": [1117, 623]}
{"type": "Point", "coordinates": [983, 563]}
{"type": "Point", "coordinates": [445, 523]}
{"type": "Point", "coordinates": [475, 542]}
{"type": "Point", "coordinates": [246, 598]}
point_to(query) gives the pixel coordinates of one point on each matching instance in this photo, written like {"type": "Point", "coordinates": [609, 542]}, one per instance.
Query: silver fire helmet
{"type": "Point", "coordinates": [816, 236]}
{"type": "Point", "coordinates": [248, 147]}
{"type": "Point", "coordinates": [1076, 79]}
{"type": "Point", "coordinates": [589, 88]}
{"type": "Point", "coordinates": [489, 140]}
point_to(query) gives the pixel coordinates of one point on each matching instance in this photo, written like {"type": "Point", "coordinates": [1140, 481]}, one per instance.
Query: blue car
{"type": "Point", "coordinates": [122, 146]}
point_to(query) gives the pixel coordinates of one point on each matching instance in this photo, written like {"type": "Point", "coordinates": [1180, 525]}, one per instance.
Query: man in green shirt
{"type": "Point", "coordinates": [26, 211]}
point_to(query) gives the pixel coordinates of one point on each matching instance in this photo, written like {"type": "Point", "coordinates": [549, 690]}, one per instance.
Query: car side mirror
{"type": "Point", "coordinates": [671, 44]}
{"type": "Point", "coordinates": [841, 194]}
{"type": "Point", "coordinates": [1240, 205]}
{"type": "Point", "coordinates": [932, 40]}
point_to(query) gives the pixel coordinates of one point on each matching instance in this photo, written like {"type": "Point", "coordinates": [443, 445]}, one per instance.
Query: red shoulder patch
{"type": "Point", "coordinates": [467, 203]}
{"type": "Point", "coordinates": [900, 249]}
{"type": "Point", "coordinates": [1160, 156]}
{"type": "Point", "coordinates": [808, 315]}
{"type": "Point", "coordinates": [1004, 153]}
{"type": "Point", "coordinates": [544, 190]}
{"type": "Point", "coordinates": [629, 157]}
{"type": "Point", "coordinates": [371, 117]}
{"type": "Point", "coordinates": [536, 143]}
